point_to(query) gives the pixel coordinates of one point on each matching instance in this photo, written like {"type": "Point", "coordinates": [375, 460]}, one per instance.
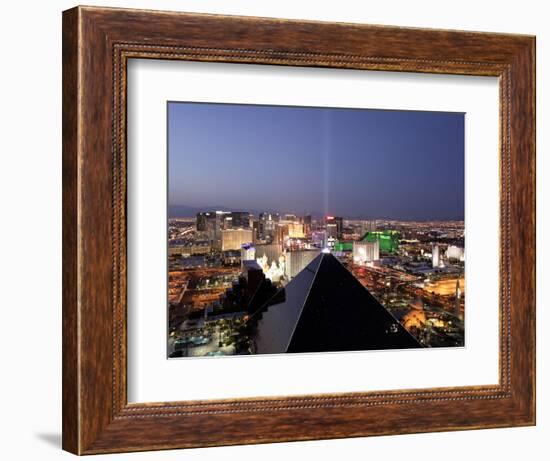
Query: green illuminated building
{"type": "Point", "coordinates": [389, 241]}
{"type": "Point", "coordinates": [343, 246]}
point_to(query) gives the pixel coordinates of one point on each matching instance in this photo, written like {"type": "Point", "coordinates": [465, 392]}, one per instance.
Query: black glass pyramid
{"type": "Point", "coordinates": [325, 308]}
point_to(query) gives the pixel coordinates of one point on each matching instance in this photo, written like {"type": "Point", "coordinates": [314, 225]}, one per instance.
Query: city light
{"type": "Point", "coordinates": [225, 265]}
{"type": "Point", "coordinates": [304, 229]}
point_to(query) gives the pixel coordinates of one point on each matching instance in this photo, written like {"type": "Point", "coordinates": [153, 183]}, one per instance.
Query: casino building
{"type": "Point", "coordinates": [325, 308]}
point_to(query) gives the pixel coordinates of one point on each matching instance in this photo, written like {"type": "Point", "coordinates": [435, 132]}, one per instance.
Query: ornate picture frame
{"type": "Point", "coordinates": [97, 44]}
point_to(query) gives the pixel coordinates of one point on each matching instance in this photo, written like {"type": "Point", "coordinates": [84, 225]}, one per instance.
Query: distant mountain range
{"type": "Point", "coordinates": [185, 211]}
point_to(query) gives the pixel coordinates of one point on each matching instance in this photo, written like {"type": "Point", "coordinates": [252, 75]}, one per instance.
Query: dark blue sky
{"type": "Point", "coordinates": [346, 162]}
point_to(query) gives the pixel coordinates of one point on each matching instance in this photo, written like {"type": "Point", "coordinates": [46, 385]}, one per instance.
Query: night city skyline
{"type": "Point", "coordinates": [357, 163]}
{"type": "Point", "coordinates": [300, 229]}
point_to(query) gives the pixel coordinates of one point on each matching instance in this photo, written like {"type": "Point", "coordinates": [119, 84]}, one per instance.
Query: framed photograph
{"type": "Point", "coordinates": [282, 230]}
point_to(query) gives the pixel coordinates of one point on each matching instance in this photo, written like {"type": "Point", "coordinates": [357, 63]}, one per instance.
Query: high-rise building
{"type": "Point", "coordinates": [234, 239]}
{"type": "Point", "coordinates": [236, 220]}
{"type": "Point", "coordinates": [388, 239]}
{"type": "Point", "coordinates": [334, 226]}
{"type": "Point", "coordinates": [366, 252]}
{"type": "Point", "coordinates": [296, 261]}
{"type": "Point", "coordinates": [202, 219]}
{"type": "Point", "coordinates": [281, 234]}
{"type": "Point", "coordinates": [248, 253]}
{"type": "Point", "coordinates": [267, 226]}
{"type": "Point", "coordinates": [210, 222]}
{"type": "Point", "coordinates": [319, 238]}
{"type": "Point", "coordinates": [296, 230]}
{"type": "Point", "coordinates": [214, 222]}
{"type": "Point", "coordinates": [307, 225]}
{"type": "Point", "coordinates": [255, 230]}
{"type": "Point", "coordinates": [435, 255]}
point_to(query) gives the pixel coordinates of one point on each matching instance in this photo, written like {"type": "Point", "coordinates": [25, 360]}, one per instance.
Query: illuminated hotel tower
{"type": "Point", "coordinates": [334, 226]}
{"type": "Point", "coordinates": [435, 255]}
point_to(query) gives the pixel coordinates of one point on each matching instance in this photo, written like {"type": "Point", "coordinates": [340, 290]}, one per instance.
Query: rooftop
{"type": "Point", "coordinates": [325, 308]}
